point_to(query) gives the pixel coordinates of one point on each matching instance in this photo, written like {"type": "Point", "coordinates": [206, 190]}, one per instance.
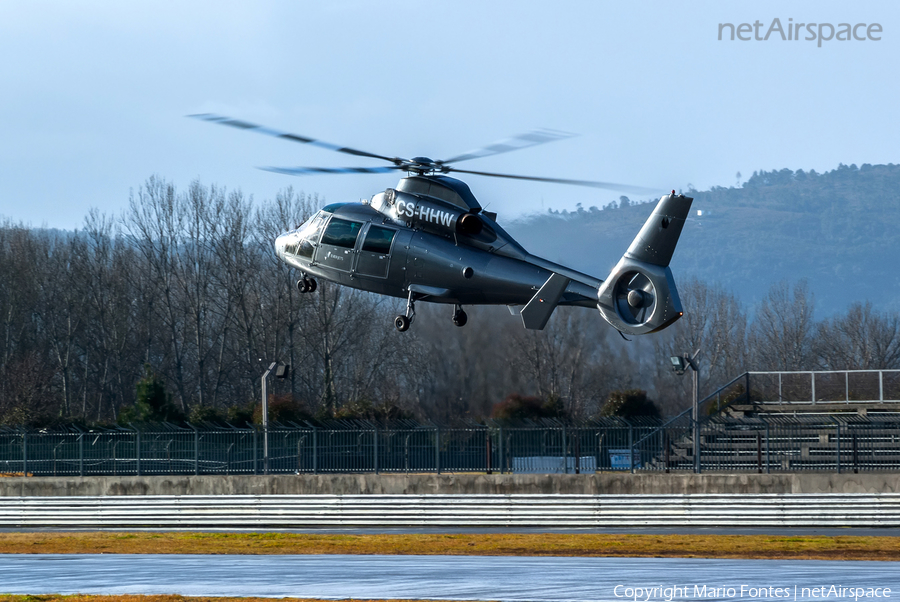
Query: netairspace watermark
{"type": "Point", "coordinates": [669, 593]}
{"type": "Point", "coordinates": [810, 32]}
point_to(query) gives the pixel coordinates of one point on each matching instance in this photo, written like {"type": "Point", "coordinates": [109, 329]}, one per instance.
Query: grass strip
{"type": "Point", "coordinates": [490, 544]}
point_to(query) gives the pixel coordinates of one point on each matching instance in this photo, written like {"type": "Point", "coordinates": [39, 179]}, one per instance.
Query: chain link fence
{"type": "Point", "coordinates": [831, 443]}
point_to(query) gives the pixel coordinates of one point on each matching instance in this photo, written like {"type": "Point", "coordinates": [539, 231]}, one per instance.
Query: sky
{"type": "Point", "coordinates": [93, 95]}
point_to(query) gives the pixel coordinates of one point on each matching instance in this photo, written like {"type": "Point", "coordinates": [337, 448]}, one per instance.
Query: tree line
{"type": "Point", "coordinates": [183, 291]}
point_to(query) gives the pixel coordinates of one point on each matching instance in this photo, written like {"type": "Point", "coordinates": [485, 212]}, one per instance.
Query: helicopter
{"type": "Point", "coordinates": [429, 239]}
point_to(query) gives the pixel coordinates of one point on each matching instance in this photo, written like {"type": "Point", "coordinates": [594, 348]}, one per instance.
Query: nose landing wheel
{"type": "Point", "coordinates": [307, 285]}
{"type": "Point", "coordinates": [459, 316]}
{"type": "Point", "coordinates": [402, 321]}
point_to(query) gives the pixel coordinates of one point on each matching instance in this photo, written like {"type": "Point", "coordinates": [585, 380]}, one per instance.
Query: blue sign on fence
{"type": "Point", "coordinates": [618, 459]}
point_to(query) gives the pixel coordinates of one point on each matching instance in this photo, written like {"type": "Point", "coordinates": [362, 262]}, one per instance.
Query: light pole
{"type": "Point", "coordinates": [282, 372]}
{"type": "Point", "coordinates": [680, 363]}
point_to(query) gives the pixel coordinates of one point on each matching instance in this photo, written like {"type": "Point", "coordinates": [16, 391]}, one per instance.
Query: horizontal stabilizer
{"type": "Point", "coordinates": [538, 311]}
{"type": "Point", "coordinates": [424, 292]}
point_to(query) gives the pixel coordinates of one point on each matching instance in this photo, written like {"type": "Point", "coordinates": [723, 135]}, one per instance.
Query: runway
{"type": "Point", "coordinates": [511, 579]}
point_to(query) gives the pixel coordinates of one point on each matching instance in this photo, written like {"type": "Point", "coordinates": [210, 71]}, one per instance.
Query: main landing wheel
{"type": "Point", "coordinates": [402, 323]}
{"type": "Point", "coordinates": [306, 285]}
{"type": "Point", "coordinates": [460, 318]}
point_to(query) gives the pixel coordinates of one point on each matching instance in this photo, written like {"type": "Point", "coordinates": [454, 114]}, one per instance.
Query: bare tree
{"type": "Point", "coordinates": [277, 327]}
{"type": "Point", "coordinates": [715, 323]}
{"type": "Point", "coordinates": [187, 282]}
{"type": "Point", "coordinates": [26, 392]}
{"type": "Point", "coordinates": [459, 373]}
{"type": "Point", "coordinates": [861, 339]}
{"type": "Point", "coordinates": [783, 330]}
{"type": "Point", "coordinates": [20, 254]}
{"type": "Point", "coordinates": [111, 324]}
{"type": "Point", "coordinates": [61, 308]}
{"type": "Point", "coordinates": [153, 225]}
{"type": "Point", "coordinates": [572, 361]}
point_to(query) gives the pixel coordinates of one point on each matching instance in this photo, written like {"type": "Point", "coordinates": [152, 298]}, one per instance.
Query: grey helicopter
{"type": "Point", "coordinates": [429, 239]}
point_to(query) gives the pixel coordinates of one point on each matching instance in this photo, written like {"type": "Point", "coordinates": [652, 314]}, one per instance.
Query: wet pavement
{"type": "Point", "coordinates": [452, 577]}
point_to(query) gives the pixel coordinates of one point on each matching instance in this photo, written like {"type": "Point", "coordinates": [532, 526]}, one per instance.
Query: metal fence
{"type": "Point", "coordinates": [848, 443]}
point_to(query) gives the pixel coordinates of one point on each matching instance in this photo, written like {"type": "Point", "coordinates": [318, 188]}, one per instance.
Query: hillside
{"type": "Point", "coordinates": [840, 230]}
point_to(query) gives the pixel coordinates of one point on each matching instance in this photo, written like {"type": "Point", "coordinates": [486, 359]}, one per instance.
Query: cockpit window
{"type": "Point", "coordinates": [308, 236]}
{"type": "Point", "coordinates": [378, 240]}
{"type": "Point", "coordinates": [307, 222]}
{"type": "Point", "coordinates": [341, 233]}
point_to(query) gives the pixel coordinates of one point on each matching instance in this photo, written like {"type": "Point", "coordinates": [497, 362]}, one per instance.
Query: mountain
{"type": "Point", "coordinates": [840, 230]}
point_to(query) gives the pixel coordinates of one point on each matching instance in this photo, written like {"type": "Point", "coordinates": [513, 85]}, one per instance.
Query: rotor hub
{"type": "Point", "coordinates": [420, 165]}
{"type": "Point", "coordinates": [636, 298]}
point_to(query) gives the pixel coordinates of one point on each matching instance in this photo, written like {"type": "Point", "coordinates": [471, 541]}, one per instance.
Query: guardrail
{"type": "Point", "coordinates": [451, 511]}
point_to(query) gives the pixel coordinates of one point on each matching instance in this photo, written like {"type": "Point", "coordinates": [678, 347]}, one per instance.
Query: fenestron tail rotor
{"type": "Point", "coordinates": [421, 165]}
{"type": "Point", "coordinates": [635, 295]}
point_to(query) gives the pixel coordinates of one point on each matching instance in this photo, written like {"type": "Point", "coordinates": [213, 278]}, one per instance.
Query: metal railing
{"type": "Point", "coordinates": [821, 387]}
{"type": "Point", "coordinates": [831, 443]}
{"type": "Point", "coordinates": [808, 390]}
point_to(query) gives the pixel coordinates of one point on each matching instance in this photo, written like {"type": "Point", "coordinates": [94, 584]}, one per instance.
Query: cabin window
{"type": "Point", "coordinates": [341, 233]}
{"type": "Point", "coordinates": [378, 240]}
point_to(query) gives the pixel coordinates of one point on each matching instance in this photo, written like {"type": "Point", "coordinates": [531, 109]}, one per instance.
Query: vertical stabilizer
{"type": "Point", "coordinates": [640, 295]}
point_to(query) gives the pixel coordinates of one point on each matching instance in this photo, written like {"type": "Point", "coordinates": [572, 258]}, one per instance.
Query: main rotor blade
{"type": "Point", "coordinates": [518, 142]}
{"type": "Point", "coordinates": [246, 125]}
{"type": "Point", "coordinates": [308, 171]}
{"type": "Point", "coordinates": [588, 183]}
